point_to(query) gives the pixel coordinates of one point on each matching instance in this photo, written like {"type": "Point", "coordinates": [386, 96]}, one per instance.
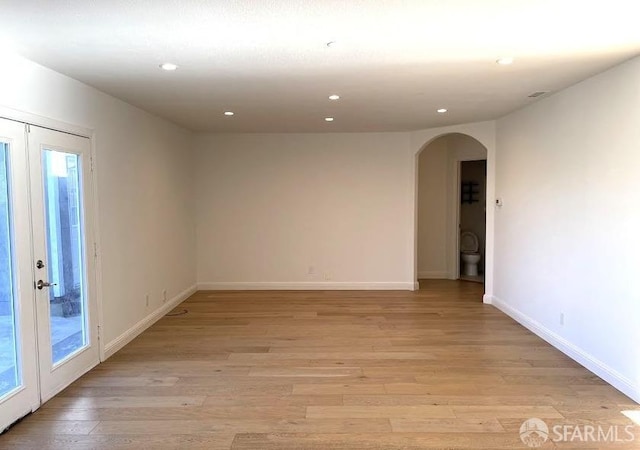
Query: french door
{"type": "Point", "coordinates": [48, 320]}
{"type": "Point", "coordinates": [19, 392]}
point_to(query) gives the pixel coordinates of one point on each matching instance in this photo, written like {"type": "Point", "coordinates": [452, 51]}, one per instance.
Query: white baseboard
{"type": "Point", "coordinates": [596, 366]}
{"type": "Point", "coordinates": [304, 286]}
{"type": "Point", "coordinates": [433, 275]}
{"type": "Point", "coordinates": [145, 323]}
{"type": "Point", "coordinates": [487, 299]}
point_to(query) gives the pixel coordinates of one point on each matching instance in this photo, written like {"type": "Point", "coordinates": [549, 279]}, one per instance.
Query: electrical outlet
{"type": "Point", "coordinates": [561, 318]}
{"type": "Point", "coordinates": [311, 270]}
{"type": "Point", "coordinates": [146, 300]}
{"type": "Point", "coordinates": [164, 296]}
{"type": "Point", "coordinates": [327, 276]}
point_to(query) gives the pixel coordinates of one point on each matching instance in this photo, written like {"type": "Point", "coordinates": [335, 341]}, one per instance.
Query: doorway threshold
{"type": "Point", "coordinates": [475, 279]}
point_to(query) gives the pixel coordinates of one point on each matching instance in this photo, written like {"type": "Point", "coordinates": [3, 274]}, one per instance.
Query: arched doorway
{"type": "Point", "coordinates": [441, 204]}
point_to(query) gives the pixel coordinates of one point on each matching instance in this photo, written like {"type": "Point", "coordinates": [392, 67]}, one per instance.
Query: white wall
{"type": "Point", "coordinates": [271, 205]}
{"type": "Point", "coordinates": [433, 195]}
{"type": "Point", "coordinates": [145, 191]}
{"type": "Point", "coordinates": [568, 235]}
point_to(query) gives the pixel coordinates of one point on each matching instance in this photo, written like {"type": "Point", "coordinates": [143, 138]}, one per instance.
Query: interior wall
{"type": "Point", "coordinates": [433, 187]}
{"type": "Point", "coordinates": [144, 187]}
{"type": "Point", "coordinates": [567, 235]}
{"type": "Point", "coordinates": [303, 210]}
{"type": "Point", "coordinates": [438, 200]}
{"type": "Point", "coordinates": [271, 208]}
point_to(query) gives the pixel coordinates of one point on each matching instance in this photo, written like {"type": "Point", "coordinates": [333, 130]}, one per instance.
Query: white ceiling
{"type": "Point", "coordinates": [394, 62]}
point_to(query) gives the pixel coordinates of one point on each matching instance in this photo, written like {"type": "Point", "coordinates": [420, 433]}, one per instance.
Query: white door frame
{"type": "Point", "coordinates": [55, 377]}
{"type": "Point", "coordinates": [454, 228]}
{"type": "Point", "coordinates": [454, 272]}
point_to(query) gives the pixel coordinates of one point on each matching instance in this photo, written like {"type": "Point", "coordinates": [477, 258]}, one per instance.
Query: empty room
{"type": "Point", "coordinates": [302, 224]}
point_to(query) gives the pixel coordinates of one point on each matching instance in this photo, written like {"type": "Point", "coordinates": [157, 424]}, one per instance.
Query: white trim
{"type": "Point", "coordinates": [44, 122]}
{"type": "Point", "coordinates": [302, 285]}
{"type": "Point", "coordinates": [487, 299]}
{"type": "Point", "coordinates": [454, 228]}
{"type": "Point", "coordinates": [416, 286]}
{"type": "Point", "coordinates": [126, 337]}
{"type": "Point", "coordinates": [97, 242]}
{"type": "Point", "coordinates": [433, 274]}
{"type": "Point", "coordinates": [610, 375]}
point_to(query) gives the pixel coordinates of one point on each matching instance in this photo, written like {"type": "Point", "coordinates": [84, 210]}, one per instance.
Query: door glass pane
{"type": "Point", "coordinates": [9, 366]}
{"type": "Point", "coordinates": [65, 253]}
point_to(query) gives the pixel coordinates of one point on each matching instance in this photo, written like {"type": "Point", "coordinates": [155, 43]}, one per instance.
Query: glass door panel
{"type": "Point", "coordinates": [10, 377]}
{"type": "Point", "coordinates": [65, 253]}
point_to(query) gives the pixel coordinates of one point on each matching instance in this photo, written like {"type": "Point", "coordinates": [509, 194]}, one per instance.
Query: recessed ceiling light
{"type": "Point", "coordinates": [168, 67]}
{"type": "Point", "coordinates": [505, 61]}
{"type": "Point", "coordinates": [328, 119]}
{"type": "Point", "coordinates": [228, 113]}
{"type": "Point", "coordinates": [442, 110]}
{"type": "Point", "coordinates": [334, 97]}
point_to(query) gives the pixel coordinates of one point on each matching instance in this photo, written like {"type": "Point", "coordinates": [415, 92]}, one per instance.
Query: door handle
{"type": "Point", "coordinates": [43, 284]}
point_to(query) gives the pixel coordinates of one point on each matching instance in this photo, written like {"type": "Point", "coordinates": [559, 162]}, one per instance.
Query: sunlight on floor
{"type": "Point", "coordinates": [633, 415]}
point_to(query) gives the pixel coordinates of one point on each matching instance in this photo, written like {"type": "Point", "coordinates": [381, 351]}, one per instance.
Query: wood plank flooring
{"type": "Point", "coordinates": [327, 370]}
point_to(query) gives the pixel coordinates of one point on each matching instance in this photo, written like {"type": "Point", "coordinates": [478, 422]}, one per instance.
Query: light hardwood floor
{"type": "Point", "coordinates": [327, 370]}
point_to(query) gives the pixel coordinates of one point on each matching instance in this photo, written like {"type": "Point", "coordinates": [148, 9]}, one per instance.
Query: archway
{"type": "Point", "coordinates": [436, 245]}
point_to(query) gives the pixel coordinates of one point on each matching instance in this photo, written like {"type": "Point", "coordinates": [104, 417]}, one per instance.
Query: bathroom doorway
{"type": "Point", "coordinates": [472, 219]}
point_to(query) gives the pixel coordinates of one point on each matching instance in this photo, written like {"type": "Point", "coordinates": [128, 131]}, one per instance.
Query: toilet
{"type": "Point", "coordinates": [469, 252]}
